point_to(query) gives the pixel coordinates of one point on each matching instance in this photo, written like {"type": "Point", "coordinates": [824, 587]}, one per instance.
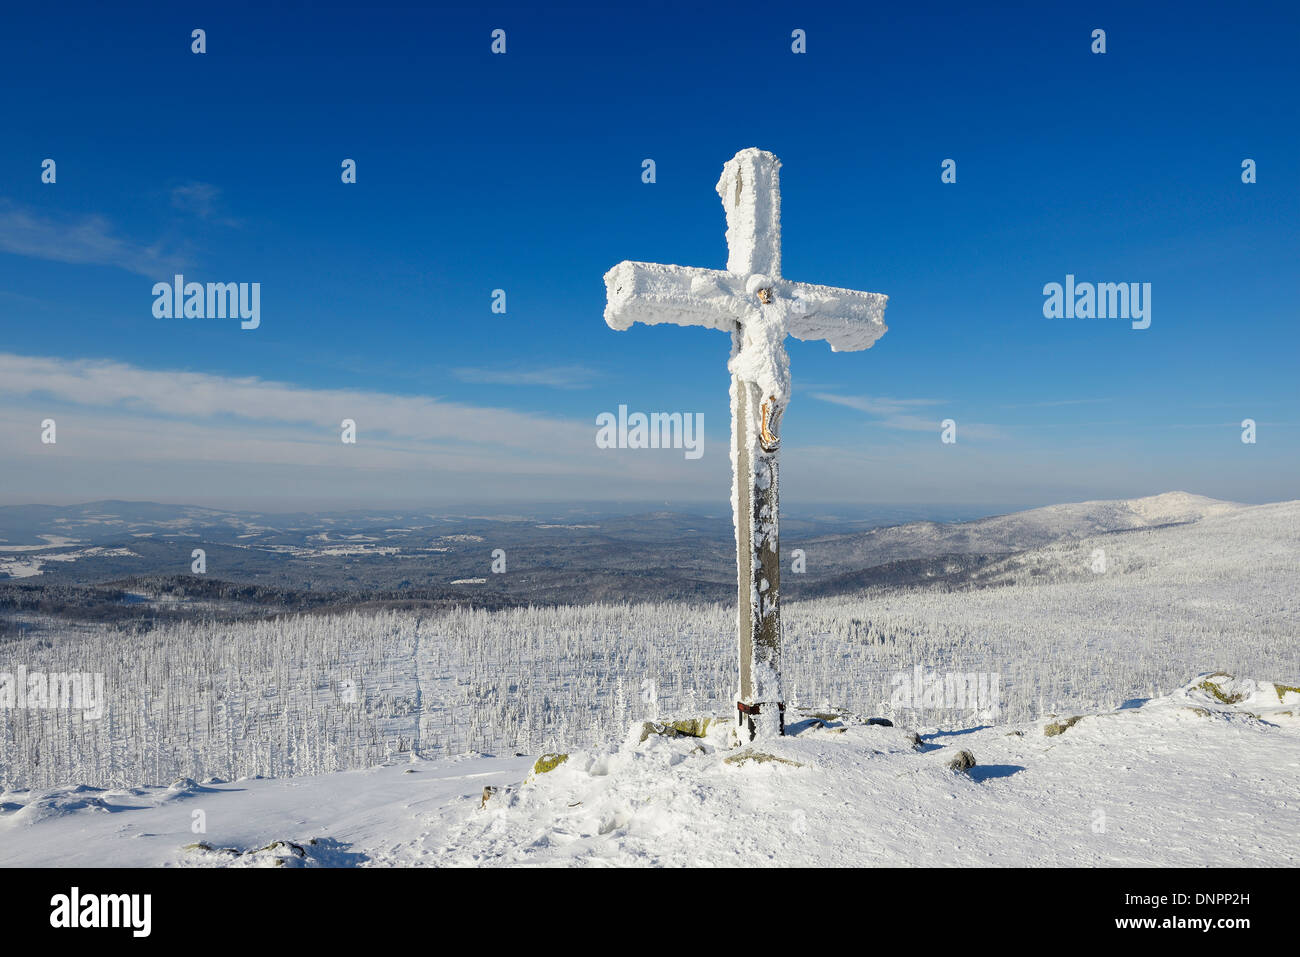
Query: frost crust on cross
{"type": "Point", "coordinates": [759, 308]}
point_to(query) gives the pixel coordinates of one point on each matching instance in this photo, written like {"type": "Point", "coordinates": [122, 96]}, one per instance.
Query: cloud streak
{"type": "Point", "coordinates": [133, 433]}
{"type": "Point", "coordinates": [88, 240]}
{"type": "Point", "coordinates": [146, 428]}
{"type": "Point", "coordinates": [903, 414]}
{"type": "Point", "coordinates": [200, 395]}
{"type": "Point", "coordinates": [553, 377]}
{"type": "Point", "coordinates": [202, 200]}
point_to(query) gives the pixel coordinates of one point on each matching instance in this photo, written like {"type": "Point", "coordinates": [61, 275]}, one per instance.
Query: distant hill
{"type": "Point", "coordinates": [406, 555]}
{"type": "Point", "coordinates": [1019, 530]}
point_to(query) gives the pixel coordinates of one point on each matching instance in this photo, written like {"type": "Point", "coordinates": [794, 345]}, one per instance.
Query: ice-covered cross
{"type": "Point", "coordinates": [751, 301]}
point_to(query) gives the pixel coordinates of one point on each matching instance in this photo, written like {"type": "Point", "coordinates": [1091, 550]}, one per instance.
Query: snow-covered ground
{"type": "Point", "coordinates": [1206, 776]}
{"type": "Point", "coordinates": [31, 559]}
{"type": "Point", "coordinates": [334, 711]}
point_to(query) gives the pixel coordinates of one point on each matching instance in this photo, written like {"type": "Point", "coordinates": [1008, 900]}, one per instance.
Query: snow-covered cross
{"type": "Point", "coordinates": [759, 308]}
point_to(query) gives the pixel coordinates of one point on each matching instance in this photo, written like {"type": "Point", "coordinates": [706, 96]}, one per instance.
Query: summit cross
{"type": "Point", "coordinates": [750, 300]}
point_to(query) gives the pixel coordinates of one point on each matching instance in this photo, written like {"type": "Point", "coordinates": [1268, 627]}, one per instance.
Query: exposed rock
{"type": "Point", "coordinates": [682, 728]}
{"type": "Point", "coordinates": [1060, 727]}
{"type": "Point", "coordinates": [760, 757]}
{"type": "Point", "coordinates": [205, 846]}
{"type": "Point", "coordinates": [549, 762]}
{"type": "Point", "coordinates": [281, 847]}
{"type": "Point", "coordinates": [315, 852]}
{"type": "Point", "coordinates": [963, 762]}
{"type": "Point", "coordinates": [693, 727]}
{"type": "Point", "coordinates": [1213, 690]}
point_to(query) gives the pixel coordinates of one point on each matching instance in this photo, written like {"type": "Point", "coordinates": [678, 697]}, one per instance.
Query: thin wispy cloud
{"type": "Point", "coordinates": [130, 432]}
{"type": "Point", "coordinates": [202, 200]}
{"type": "Point", "coordinates": [876, 405]}
{"type": "Point", "coordinates": [19, 299]}
{"type": "Point", "coordinates": [904, 414]}
{"type": "Point", "coordinates": [553, 377]}
{"type": "Point", "coordinates": [1230, 426]}
{"type": "Point", "coordinates": [86, 240]}
{"type": "Point", "coordinates": [153, 429]}
{"type": "Point", "coordinates": [1052, 403]}
{"type": "Point", "coordinates": [199, 395]}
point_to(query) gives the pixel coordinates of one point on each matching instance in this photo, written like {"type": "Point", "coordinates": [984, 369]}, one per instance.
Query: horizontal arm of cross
{"type": "Point", "coordinates": [716, 299]}
{"type": "Point", "coordinates": [683, 295]}
{"type": "Point", "coordinates": [849, 320]}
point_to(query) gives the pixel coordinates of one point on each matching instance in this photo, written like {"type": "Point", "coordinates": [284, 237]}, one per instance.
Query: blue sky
{"type": "Point", "coordinates": [523, 172]}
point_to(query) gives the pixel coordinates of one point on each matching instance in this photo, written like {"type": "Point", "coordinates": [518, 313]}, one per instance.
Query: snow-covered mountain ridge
{"type": "Point", "coordinates": [1019, 531]}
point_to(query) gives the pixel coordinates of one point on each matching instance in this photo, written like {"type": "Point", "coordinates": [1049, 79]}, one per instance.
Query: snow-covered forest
{"type": "Point", "coordinates": [316, 693]}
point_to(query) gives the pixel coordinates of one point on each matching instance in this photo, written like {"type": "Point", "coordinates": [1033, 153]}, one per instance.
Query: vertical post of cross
{"type": "Point", "coordinates": [750, 300]}
{"type": "Point", "coordinates": [750, 191]}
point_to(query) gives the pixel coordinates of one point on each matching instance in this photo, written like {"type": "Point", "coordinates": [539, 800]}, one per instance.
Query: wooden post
{"type": "Point", "coordinates": [760, 705]}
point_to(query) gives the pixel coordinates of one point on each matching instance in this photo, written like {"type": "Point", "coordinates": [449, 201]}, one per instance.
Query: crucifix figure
{"type": "Point", "coordinates": [750, 300]}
